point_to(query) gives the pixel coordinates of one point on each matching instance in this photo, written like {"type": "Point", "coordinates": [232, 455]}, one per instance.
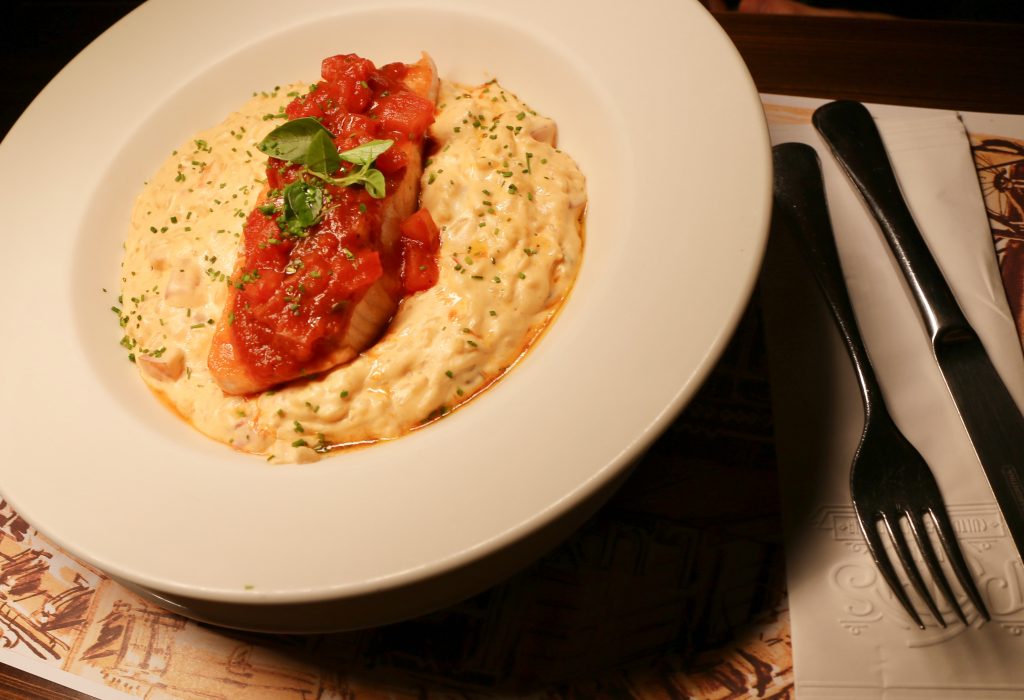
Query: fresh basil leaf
{"type": "Point", "coordinates": [303, 204]}
{"type": "Point", "coordinates": [291, 141]}
{"type": "Point", "coordinates": [370, 178]}
{"type": "Point", "coordinates": [306, 142]}
{"type": "Point", "coordinates": [367, 153]}
{"type": "Point", "coordinates": [373, 181]}
{"type": "Point", "coordinates": [322, 155]}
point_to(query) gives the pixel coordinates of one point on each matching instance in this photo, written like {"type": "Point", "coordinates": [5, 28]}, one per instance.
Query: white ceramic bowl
{"type": "Point", "coordinates": [653, 102]}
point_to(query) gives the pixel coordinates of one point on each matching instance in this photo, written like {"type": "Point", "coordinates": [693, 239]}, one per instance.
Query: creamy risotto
{"type": "Point", "coordinates": [509, 206]}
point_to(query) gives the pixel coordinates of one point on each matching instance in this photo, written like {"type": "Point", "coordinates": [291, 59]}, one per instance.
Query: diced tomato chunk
{"type": "Point", "coordinates": [406, 113]}
{"type": "Point", "coordinates": [420, 243]}
{"type": "Point", "coordinates": [391, 161]}
{"type": "Point", "coordinates": [331, 101]}
{"type": "Point", "coordinates": [347, 65]}
{"type": "Point", "coordinates": [366, 269]}
{"type": "Point", "coordinates": [303, 107]}
{"type": "Point", "coordinates": [391, 75]}
{"type": "Point", "coordinates": [263, 285]}
{"type": "Point", "coordinates": [420, 227]}
{"type": "Point", "coordinates": [419, 268]}
{"type": "Point", "coordinates": [353, 124]}
{"type": "Point", "coordinates": [259, 228]}
{"type": "Point", "coordinates": [280, 172]}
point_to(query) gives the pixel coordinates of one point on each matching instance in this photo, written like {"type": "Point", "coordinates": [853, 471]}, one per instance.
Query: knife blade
{"type": "Point", "coordinates": [991, 416]}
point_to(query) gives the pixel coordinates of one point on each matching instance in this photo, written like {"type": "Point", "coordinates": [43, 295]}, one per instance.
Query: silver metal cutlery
{"type": "Point", "coordinates": [992, 418]}
{"type": "Point", "coordinates": [890, 481]}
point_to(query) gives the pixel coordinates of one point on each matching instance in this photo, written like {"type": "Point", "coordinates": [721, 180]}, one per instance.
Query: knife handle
{"type": "Point", "coordinates": [801, 209]}
{"type": "Point", "coordinates": [851, 134]}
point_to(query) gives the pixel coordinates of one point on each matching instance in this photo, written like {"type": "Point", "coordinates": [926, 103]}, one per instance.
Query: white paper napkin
{"type": "Point", "coordinates": [851, 638]}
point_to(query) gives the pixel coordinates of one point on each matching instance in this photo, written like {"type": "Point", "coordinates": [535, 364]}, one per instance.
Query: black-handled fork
{"type": "Point", "coordinates": [889, 479]}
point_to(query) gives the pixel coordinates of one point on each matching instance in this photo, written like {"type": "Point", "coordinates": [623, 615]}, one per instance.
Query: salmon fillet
{"type": "Point", "coordinates": [305, 298]}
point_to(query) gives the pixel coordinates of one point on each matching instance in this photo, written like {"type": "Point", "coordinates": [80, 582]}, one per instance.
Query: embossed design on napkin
{"type": "Point", "coordinates": [867, 600]}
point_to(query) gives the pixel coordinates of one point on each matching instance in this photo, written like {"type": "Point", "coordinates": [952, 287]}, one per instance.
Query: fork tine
{"type": "Point", "coordinates": [869, 528]}
{"type": "Point", "coordinates": [932, 561]}
{"type": "Point", "coordinates": [892, 526]}
{"type": "Point", "coordinates": [956, 559]}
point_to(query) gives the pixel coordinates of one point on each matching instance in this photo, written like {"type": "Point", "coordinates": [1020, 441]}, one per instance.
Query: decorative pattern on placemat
{"type": "Point", "coordinates": [674, 589]}
{"type": "Point", "coordinates": [1000, 164]}
{"type": "Point", "coordinates": [45, 596]}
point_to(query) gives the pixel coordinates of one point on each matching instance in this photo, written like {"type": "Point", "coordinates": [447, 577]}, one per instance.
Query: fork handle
{"type": "Point", "coordinates": [801, 208]}
{"type": "Point", "coordinates": [851, 134]}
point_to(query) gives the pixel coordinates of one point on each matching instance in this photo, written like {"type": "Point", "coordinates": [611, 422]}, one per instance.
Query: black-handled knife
{"type": "Point", "coordinates": [989, 413]}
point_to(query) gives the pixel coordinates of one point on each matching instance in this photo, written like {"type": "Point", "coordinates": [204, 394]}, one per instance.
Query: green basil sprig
{"type": "Point", "coordinates": [369, 177]}
{"type": "Point", "coordinates": [303, 205]}
{"type": "Point", "coordinates": [306, 142]}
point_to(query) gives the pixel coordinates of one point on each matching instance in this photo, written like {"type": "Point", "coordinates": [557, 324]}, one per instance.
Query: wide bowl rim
{"type": "Point", "coordinates": [741, 97]}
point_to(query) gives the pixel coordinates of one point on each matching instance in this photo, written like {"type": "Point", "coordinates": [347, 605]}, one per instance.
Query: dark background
{"type": "Point", "coordinates": [965, 10]}
{"type": "Point", "coordinates": [973, 10]}
{"type": "Point", "coordinates": [40, 37]}
{"type": "Point", "coordinates": [43, 35]}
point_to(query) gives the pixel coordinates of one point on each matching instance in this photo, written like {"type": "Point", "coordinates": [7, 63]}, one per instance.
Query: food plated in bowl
{"type": "Point", "coordinates": [352, 309]}
{"type": "Point", "coordinates": [675, 230]}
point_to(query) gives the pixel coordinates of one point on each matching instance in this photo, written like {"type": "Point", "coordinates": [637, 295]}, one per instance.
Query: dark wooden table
{"type": "Point", "coordinates": [939, 64]}
{"type": "Point", "coordinates": [952, 65]}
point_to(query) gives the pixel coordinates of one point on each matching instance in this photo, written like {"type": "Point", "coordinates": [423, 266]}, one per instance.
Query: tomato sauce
{"type": "Point", "coordinates": [296, 293]}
